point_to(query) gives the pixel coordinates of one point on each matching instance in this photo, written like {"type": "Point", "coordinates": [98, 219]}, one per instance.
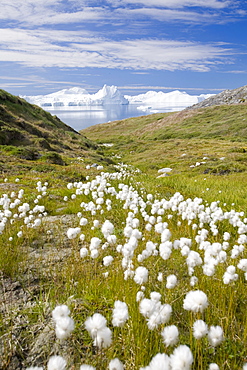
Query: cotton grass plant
{"type": "Point", "coordinates": [149, 281]}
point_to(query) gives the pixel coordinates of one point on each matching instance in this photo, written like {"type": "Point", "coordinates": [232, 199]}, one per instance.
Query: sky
{"type": "Point", "coordinates": [196, 46]}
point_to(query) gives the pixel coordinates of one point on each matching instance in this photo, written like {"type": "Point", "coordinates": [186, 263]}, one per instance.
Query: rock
{"type": "Point", "coordinates": [228, 97]}
{"type": "Point", "coordinates": [165, 170]}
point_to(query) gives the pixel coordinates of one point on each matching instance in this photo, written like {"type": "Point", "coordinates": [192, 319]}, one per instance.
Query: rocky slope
{"type": "Point", "coordinates": [226, 97]}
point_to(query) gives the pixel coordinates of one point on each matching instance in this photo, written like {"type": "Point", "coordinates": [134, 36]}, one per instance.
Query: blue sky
{"type": "Point", "coordinates": [195, 46]}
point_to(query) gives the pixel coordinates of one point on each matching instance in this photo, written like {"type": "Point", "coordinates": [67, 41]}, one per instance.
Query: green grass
{"type": "Point", "coordinates": [179, 140]}
{"type": "Point", "coordinates": [79, 283]}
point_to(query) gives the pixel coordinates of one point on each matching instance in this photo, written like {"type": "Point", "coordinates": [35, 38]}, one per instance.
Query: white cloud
{"type": "Point", "coordinates": [37, 81]}
{"type": "Point", "coordinates": [237, 72]}
{"type": "Point", "coordinates": [175, 15]}
{"type": "Point", "coordinates": [14, 9]}
{"type": "Point", "coordinates": [73, 49]}
{"type": "Point", "coordinates": [215, 4]}
{"type": "Point", "coordinates": [151, 87]}
{"type": "Point", "coordinates": [44, 12]}
{"type": "Point", "coordinates": [89, 14]}
{"type": "Point", "coordinates": [41, 12]}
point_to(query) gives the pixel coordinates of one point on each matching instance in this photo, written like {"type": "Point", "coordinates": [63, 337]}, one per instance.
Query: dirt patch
{"type": "Point", "coordinates": [28, 330]}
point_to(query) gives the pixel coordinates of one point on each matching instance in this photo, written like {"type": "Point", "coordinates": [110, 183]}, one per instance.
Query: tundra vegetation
{"type": "Point", "coordinates": [130, 253]}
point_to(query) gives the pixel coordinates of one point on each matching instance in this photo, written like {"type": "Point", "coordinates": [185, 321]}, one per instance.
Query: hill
{"type": "Point", "coordinates": [23, 124]}
{"type": "Point", "coordinates": [28, 133]}
{"type": "Point", "coordinates": [180, 139]}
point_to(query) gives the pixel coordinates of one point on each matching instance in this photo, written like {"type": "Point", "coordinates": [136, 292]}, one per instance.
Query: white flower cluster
{"type": "Point", "coordinates": [99, 332]}
{"type": "Point", "coordinates": [59, 363]}
{"type": "Point", "coordinates": [155, 232]}
{"type": "Point", "coordinates": [195, 301]}
{"type": "Point", "coordinates": [13, 209]}
{"type": "Point", "coordinates": [73, 232]}
{"type": "Point", "coordinates": [154, 311]}
{"type": "Point", "coordinates": [120, 313]}
{"type": "Point", "coordinates": [64, 324]}
{"type": "Point", "coordinates": [180, 359]}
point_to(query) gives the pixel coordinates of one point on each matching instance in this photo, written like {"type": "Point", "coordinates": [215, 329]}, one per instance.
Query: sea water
{"type": "Point", "coordinates": [84, 116]}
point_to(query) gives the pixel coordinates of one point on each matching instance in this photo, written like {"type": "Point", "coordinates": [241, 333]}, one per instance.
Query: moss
{"type": "Point", "coordinates": [11, 135]}
{"type": "Point", "coordinates": [54, 158]}
{"type": "Point", "coordinates": [29, 154]}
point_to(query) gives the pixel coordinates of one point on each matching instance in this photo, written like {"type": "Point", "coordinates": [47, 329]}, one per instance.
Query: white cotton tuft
{"type": "Point", "coordinates": [141, 275]}
{"type": "Point", "coordinates": [160, 361]}
{"type": "Point", "coordinates": [242, 265]}
{"type": "Point", "coordinates": [165, 313]}
{"type": "Point", "coordinates": [120, 314]}
{"type": "Point", "coordinates": [181, 358]}
{"type": "Point", "coordinates": [72, 232]}
{"type": "Point", "coordinates": [170, 335]}
{"type": "Point", "coordinates": [166, 235]}
{"type": "Point", "coordinates": [193, 280]}
{"type": "Point", "coordinates": [107, 228]}
{"type": "Point", "coordinates": [155, 296]}
{"type": "Point", "coordinates": [159, 228]}
{"type": "Point", "coordinates": [147, 307]}
{"type": "Point", "coordinates": [230, 275]}
{"type": "Point", "coordinates": [94, 253]}
{"type": "Point", "coordinates": [87, 367]}
{"type": "Point", "coordinates": [60, 312]}
{"type": "Point", "coordinates": [116, 364]}
{"type": "Point", "coordinates": [226, 236]}
{"type": "Point", "coordinates": [56, 363]}
{"type": "Point", "coordinates": [195, 301]}
{"type": "Point", "coordinates": [165, 250]}
{"type": "Point", "coordinates": [19, 234]}
{"type": "Point", "coordinates": [213, 366]}
{"type": "Point", "coordinates": [215, 335]}
{"type": "Point", "coordinates": [107, 260]}
{"type": "Point", "coordinates": [139, 296]}
{"type": "Point", "coordinates": [94, 243]}
{"type": "Point", "coordinates": [64, 324]}
{"type": "Point", "coordinates": [96, 223]}
{"type": "Point", "coordinates": [82, 237]}
{"type": "Point", "coordinates": [160, 277]}
{"type": "Point", "coordinates": [200, 329]}
{"type": "Point", "coordinates": [103, 338]}
{"type": "Point", "coordinates": [95, 323]}
{"type": "Point", "coordinates": [111, 239]}
{"type": "Point", "coordinates": [171, 281]}
{"type": "Point", "coordinates": [83, 252]}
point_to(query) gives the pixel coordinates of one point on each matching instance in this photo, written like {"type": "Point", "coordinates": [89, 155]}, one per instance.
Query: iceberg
{"type": "Point", "coordinates": [77, 96]}
{"type": "Point", "coordinates": [153, 99]}
{"type": "Point", "coordinates": [110, 95]}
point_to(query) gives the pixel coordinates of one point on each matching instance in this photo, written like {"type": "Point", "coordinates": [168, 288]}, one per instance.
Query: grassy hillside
{"type": "Point", "coordinates": [180, 139]}
{"type": "Point", "coordinates": [25, 126]}
{"type": "Point", "coordinates": [33, 139]}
